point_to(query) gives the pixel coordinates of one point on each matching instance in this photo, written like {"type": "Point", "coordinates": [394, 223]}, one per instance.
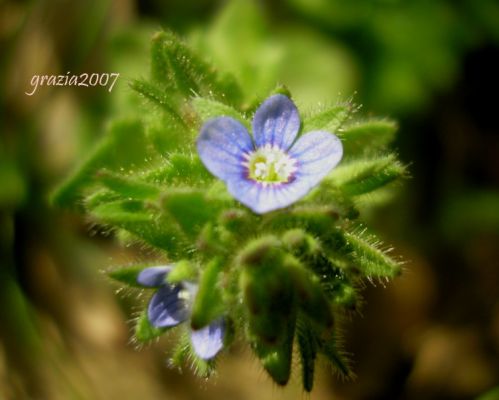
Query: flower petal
{"type": "Point", "coordinates": [276, 122]}
{"type": "Point", "coordinates": [262, 198]}
{"type": "Point", "coordinates": [207, 342]}
{"type": "Point", "coordinates": [221, 145]}
{"type": "Point", "coordinates": [166, 308]}
{"type": "Point", "coordinates": [153, 276]}
{"type": "Point", "coordinates": [317, 153]}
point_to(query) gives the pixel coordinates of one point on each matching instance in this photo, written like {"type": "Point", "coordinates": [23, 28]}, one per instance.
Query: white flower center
{"type": "Point", "coordinates": [269, 164]}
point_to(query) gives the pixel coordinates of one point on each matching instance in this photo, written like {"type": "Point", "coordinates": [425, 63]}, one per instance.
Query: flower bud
{"type": "Point", "coordinates": [310, 294]}
{"type": "Point", "coordinates": [267, 289]}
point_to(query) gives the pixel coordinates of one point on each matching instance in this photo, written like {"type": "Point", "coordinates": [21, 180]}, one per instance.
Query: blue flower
{"type": "Point", "coordinates": [171, 305]}
{"type": "Point", "coordinates": [273, 169]}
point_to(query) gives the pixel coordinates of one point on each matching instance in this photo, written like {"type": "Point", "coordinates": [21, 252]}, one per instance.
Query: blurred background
{"type": "Point", "coordinates": [430, 64]}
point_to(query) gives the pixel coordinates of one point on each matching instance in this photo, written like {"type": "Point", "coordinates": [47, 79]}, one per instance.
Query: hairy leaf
{"type": "Point", "coordinates": [331, 119]}
{"type": "Point", "coordinates": [208, 303]}
{"type": "Point", "coordinates": [144, 331]}
{"type": "Point", "coordinates": [362, 176]}
{"type": "Point", "coordinates": [368, 136]}
{"type": "Point", "coordinates": [368, 255]}
{"type": "Point", "coordinates": [123, 147]}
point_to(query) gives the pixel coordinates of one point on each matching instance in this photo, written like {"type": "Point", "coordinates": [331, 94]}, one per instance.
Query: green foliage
{"type": "Point", "coordinates": [312, 300]}
{"type": "Point", "coordinates": [307, 345]}
{"type": "Point", "coordinates": [208, 303]}
{"type": "Point", "coordinates": [127, 187]}
{"type": "Point", "coordinates": [178, 169]}
{"type": "Point", "coordinates": [183, 270]}
{"type": "Point", "coordinates": [276, 356]}
{"type": "Point", "coordinates": [158, 97]}
{"type": "Point", "coordinates": [281, 280]}
{"type": "Point", "coordinates": [190, 208]}
{"type": "Point", "coordinates": [184, 354]}
{"type": "Point", "coordinates": [127, 275]}
{"type": "Point", "coordinates": [144, 331]}
{"type": "Point", "coordinates": [368, 255]}
{"type": "Point", "coordinates": [328, 346]}
{"type": "Point", "coordinates": [208, 108]}
{"type": "Point", "coordinates": [368, 136]}
{"type": "Point", "coordinates": [123, 147]}
{"type": "Point", "coordinates": [330, 119]}
{"type": "Point", "coordinates": [267, 288]}
{"type": "Point", "coordinates": [361, 176]}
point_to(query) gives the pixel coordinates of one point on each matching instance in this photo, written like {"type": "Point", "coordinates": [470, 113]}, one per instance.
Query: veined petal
{"type": "Point", "coordinates": [317, 153]}
{"type": "Point", "coordinates": [276, 122]}
{"type": "Point", "coordinates": [221, 145]}
{"type": "Point", "coordinates": [263, 198]}
{"type": "Point", "coordinates": [207, 342]}
{"type": "Point", "coordinates": [166, 307]}
{"type": "Point", "coordinates": [153, 276]}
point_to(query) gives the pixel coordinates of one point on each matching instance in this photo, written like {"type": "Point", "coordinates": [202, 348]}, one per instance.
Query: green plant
{"type": "Point", "coordinates": [279, 279]}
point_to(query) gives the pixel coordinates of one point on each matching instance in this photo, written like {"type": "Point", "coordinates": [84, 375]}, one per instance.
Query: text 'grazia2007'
{"type": "Point", "coordinates": [84, 80]}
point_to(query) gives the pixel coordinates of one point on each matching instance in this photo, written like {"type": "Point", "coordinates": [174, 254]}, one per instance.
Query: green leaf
{"type": "Point", "coordinates": [280, 89]}
{"type": "Point", "coordinates": [127, 275]}
{"type": "Point", "coordinates": [128, 187]}
{"type": "Point", "coordinates": [202, 368]}
{"type": "Point", "coordinates": [186, 72]}
{"type": "Point", "coordinates": [262, 251]}
{"type": "Point", "coordinates": [315, 219]}
{"type": "Point", "coordinates": [160, 65]}
{"type": "Point", "coordinates": [362, 176]}
{"type": "Point", "coordinates": [179, 169]}
{"type": "Point", "coordinates": [237, 221]}
{"type": "Point", "coordinates": [154, 229]}
{"type": "Point", "coordinates": [183, 270]}
{"type": "Point", "coordinates": [167, 134]}
{"type": "Point", "coordinates": [345, 295]}
{"type": "Point", "coordinates": [144, 331]}
{"type": "Point", "coordinates": [267, 289]}
{"type": "Point", "coordinates": [184, 353]}
{"type": "Point", "coordinates": [190, 73]}
{"type": "Point", "coordinates": [333, 281]}
{"type": "Point", "coordinates": [367, 254]}
{"type": "Point", "coordinates": [310, 294]}
{"type": "Point", "coordinates": [207, 108]}
{"type": "Point", "coordinates": [213, 241]}
{"type": "Point", "coordinates": [208, 303]}
{"type": "Point", "coordinates": [100, 197]}
{"type": "Point", "coordinates": [159, 97]}
{"type": "Point", "coordinates": [123, 147]}
{"type": "Point", "coordinates": [300, 243]}
{"type": "Point", "coordinates": [190, 208]}
{"type": "Point", "coordinates": [328, 346]}
{"type": "Point", "coordinates": [307, 346]}
{"type": "Point", "coordinates": [276, 357]}
{"type": "Point", "coordinates": [331, 119]}
{"type": "Point", "coordinates": [122, 211]}
{"type": "Point", "coordinates": [368, 136]}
